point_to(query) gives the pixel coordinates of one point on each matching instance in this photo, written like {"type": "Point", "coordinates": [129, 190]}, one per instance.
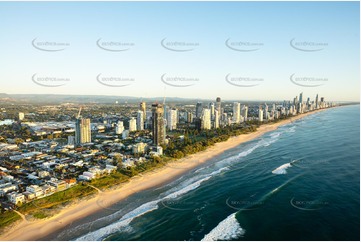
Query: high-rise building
{"type": "Point", "coordinates": [71, 140]}
{"type": "Point", "coordinates": [199, 110]}
{"type": "Point", "coordinates": [216, 119]}
{"type": "Point", "coordinates": [211, 107]}
{"type": "Point", "coordinates": [206, 119]}
{"type": "Point", "coordinates": [148, 121]}
{"type": "Point", "coordinates": [158, 124]}
{"type": "Point", "coordinates": [265, 112]}
{"type": "Point", "coordinates": [21, 116]}
{"type": "Point", "coordinates": [236, 112]}
{"type": "Point", "coordinates": [260, 114]}
{"type": "Point", "coordinates": [119, 128]}
{"type": "Point", "coordinates": [172, 119]}
{"type": "Point", "coordinates": [218, 104]}
{"type": "Point", "coordinates": [82, 131]}
{"type": "Point", "coordinates": [316, 102]}
{"type": "Point", "coordinates": [189, 117]}
{"type": "Point", "coordinates": [301, 97]}
{"type": "Point", "coordinates": [224, 119]}
{"type": "Point", "coordinates": [142, 107]}
{"type": "Point", "coordinates": [140, 120]}
{"type": "Point", "coordinates": [245, 112]}
{"type": "Point", "coordinates": [132, 125]}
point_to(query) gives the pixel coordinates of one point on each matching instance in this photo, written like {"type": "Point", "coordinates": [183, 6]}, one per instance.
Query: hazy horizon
{"type": "Point", "coordinates": [223, 99]}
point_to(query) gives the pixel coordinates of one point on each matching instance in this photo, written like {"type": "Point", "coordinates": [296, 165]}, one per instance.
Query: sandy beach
{"type": "Point", "coordinates": [34, 230]}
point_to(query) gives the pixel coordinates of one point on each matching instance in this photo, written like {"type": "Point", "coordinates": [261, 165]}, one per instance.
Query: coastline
{"type": "Point", "coordinates": [34, 230]}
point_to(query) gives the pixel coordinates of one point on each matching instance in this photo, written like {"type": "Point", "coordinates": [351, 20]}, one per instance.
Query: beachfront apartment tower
{"type": "Point", "coordinates": [245, 112]}
{"type": "Point", "coordinates": [172, 118]}
{"type": "Point", "coordinates": [236, 112]}
{"type": "Point", "coordinates": [82, 131]}
{"type": "Point", "coordinates": [216, 119]}
{"type": "Point", "coordinates": [212, 108]}
{"type": "Point", "coordinates": [260, 114]}
{"type": "Point", "coordinates": [206, 119]}
{"type": "Point", "coordinates": [158, 124]}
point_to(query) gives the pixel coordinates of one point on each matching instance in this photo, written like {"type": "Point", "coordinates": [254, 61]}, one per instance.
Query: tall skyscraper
{"type": "Point", "coordinates": [21, 116]}
{"type": "Point", "coordinates": [316, 101]}
{"type": "Point", "coordinates": [301, 97]}
{"type": "Point", "coordinates": [265, 111]}
{"type": "Point", "coordinates": [189, 117]}
{"type": "Point", "coordinates": [216, 119]}
{"type": "Point", "coordinates": [82, 131]}
{"type": "Point", "coordinates": [260, 114]}
{"type": "Point", "coordinates": [172, 119]}
{"type": "Point", "coordinates": [120, 127]}
{"type": "Point", "coordinates": [132, 125]}
{"type": "Point", "coordinates": [224, 119]}
{"type": "Point", "coordinates": [218, 103]}
{"type": "Point", "coordinates": [199, 109]}
{"type": "Point", "coordinates": [236, 112]}
{"type": "Point", "coordinates": [140, 120]}
{"type": "Point", "coordinates": [245, 112]}
{"type": "Point", "coordinates": [211, 107]}
{"type": "Point", "coordinates": [206, 119]}
{"type": "Point", "coordinates": [158, 125]}
{"type": "Point", "coordinates": [142, 107]}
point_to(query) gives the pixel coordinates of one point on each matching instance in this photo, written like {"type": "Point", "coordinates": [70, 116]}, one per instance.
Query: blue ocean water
{"type": "Point", "coordinates": [299, 182]}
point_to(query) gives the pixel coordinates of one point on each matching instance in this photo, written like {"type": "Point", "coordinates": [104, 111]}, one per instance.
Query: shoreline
{"type": "Point", "coordinates": [37, 229]}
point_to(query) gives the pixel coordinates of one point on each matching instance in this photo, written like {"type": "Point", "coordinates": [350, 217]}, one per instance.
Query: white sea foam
{"type": "Point", "coordinates": [191, 184]}
{"type": "Point", "coordinates": [123, 223]}
{"type": "Point", "coordinates": [187, 188]}
{"type": "Point", "coordinates": [292, 129]}
{"type": "Point", "coordinates": [282, 169]}
{"type": "Point", "coordinates": [226, 230]}
{"type": "Point", "coordinates": [275, 135]}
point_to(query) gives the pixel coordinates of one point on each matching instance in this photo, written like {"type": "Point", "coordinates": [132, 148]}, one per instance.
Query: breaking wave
{"type": "Point", "coordinates": [227, 229]}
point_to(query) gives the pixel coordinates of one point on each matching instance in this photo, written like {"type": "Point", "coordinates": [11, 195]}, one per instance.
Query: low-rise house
{"type": "Point", "coordinates": [29, 196]}
{"type": "Point", "coordinates": [85, 178]}
{"type": "Point", "coordinates": [36, 190]}
{"type": "Point", "coordinates": [8, 178]}
{"type": "Point", "coordinates": [16, 198]}
{"type": "Point", "coordinates": [58, 184]}
{"type": "Point", "coordinates": [139, 148]}
{"type": "Point", "coordinates": [43, 174]}
{"type": "Point", "coordinates": [47, 189]}
{"type": "Point", "coordinates": [70, 182]}
{"type": "Point", "coordinates": [128, 162]}
{"type": "Point", "coordinates": [6, 188]}
{"type": "Point", "coordinates": [110, 168]}
{"type": "Point", "coordinates": [91, 175]}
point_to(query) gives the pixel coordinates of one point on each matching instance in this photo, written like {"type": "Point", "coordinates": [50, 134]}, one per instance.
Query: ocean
{"type": "Point", "coordinates": [299, 182]}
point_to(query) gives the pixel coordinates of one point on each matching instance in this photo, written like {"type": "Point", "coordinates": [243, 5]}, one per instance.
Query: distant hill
{"type": "Point", "coordinates": [59, 98]}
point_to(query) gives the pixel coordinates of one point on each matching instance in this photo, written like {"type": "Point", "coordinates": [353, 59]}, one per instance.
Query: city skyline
{"type": "Point", "coordinates": [238, 55]}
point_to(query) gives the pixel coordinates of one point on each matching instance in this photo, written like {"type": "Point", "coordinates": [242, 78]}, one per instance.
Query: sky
{"type": "Point", "coordinates": [234, 50]}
